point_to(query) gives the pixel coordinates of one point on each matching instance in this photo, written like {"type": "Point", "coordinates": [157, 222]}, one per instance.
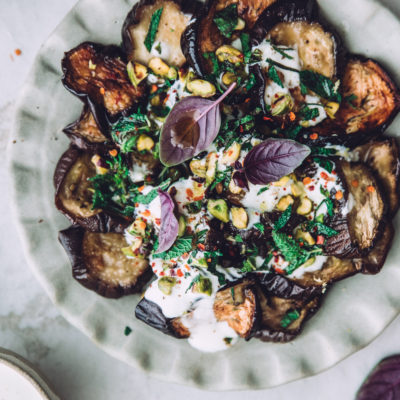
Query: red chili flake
{"type": "Point", "coordinates": [162, 273]}
{"type": "Point", "coordinates": [241, 129]}
{"type": "Point", "coordinates": [334, 172]}
{"type": "Point", "coordinates": [146, 213]}
{"type": "Point", "coordinates": [201, 246]}
{"type": "Point", "coordinates": [136, 204]}
{"type": "Point", "coordinates": [311, 188]}
{"type": "Point", "coordinates": [179, 273]}
{"type": "Point", "coordinates": [153, 264]}
{"type": "Point", "coordinates": [209, 260]}
{"type": "Point", "coordinates": [148, 178]}
{"type": "Point", "coordinates": [339, 195]}
{"type": "Point", "coordinates": [292, 116]}
{"type": "Point", "coordinates": [247, 100]}
{"type": "Point", "coordinates": [320, 239]}
{"type": "Point", "coordinates": [185, 255]}
{"type": "Point", "coordinates": [158, 221]}
{"type": "Point", "coordinates": [18, 52]}
{"type": "Point", "coordinates": [265, 118]}
{"type": "Point", "coordinates": [314, 136]}
{"type": "Point", "coordinates": [324, 175]}
{"type": "Point", "coordinates": [279, 271]}
{"type": "Point", "coordinates": [274, 253]}
{"type": "Point", "coordinates": [187, 267]}
{"type": "Point", "coordinates": [153, 88]}
{"type": "Point", "coordinates": [370, 189]}
{"type": "Point", "coordinates": [276, 259]}
{"type": "Point", "coordinates": [301, 244]}
{"type": "Point", "coordinates": [141, 188]}
{"type": "Point", "coordinates": [113, 153]}
{"type": "Point", "coordinates": [189, 192]}
{"type": "Point", "coordinates": [102, 91]}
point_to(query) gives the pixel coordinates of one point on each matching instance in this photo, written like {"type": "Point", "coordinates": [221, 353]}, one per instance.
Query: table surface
{"type": "Point", "coordinates": [31, 325]}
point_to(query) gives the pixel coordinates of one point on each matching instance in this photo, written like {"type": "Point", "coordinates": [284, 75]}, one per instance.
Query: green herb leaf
{"type": "Point", "coordinates": [293, 131]}
{"type": "Point", "coordinates": [262, 190]}
{"type": "Point", "coordinates": [322, 151]}
{"type": "Point", "coordinates": [324, 191]}
{"type": "Point", "coordinates": [201, 235]}
{"type": "Point", "coordinates": [260, 227]}
{"type": "Point", "coordinates": [324, 163]}
{"type": "Point", "coordinates": [127, 331]}
{"type": "Point", "coordinates": [283, 219]}
{"type": "Point", "coordinates": [248, 266]}
{"type": "Point", "coordinates": [273, 74]}
{"type": "Point", "coordinates": [194, 207]}
{"type": "Point", "coordinates": [282, 51]}
{"type": "Point", "coordinates": [238, 239]}
{"type": "Point", "coordinates": [213, 58]}
{"type": "Point", "coordinates": [153, 28]}
{"type": "Point", "coordinates": [153, 194]}
{"type": "Point", "coordinates": [227, 20]}
{"type": "Point", "coordinates": [289, 318]}
{"type": "Point", "coordinates": [246, 46]}
{"type": "Point", "coordinates": [291, 251]}
{"type": "Point", "coordinates": [182, 245]}
{"type": "Point", "coordinates": [195, 280]}
{"type": "Point", "coordinates": [320, 84]}
{"type": "Point", "coordinates": [349, 100]}
{"type": "Point", "coordinates": [308, 114]}
{"type": "Point", "coordinates": [321, 229]}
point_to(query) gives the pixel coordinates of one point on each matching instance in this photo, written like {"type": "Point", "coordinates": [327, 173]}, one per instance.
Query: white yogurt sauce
{"type": "Point", "coordinates": [316, 266]}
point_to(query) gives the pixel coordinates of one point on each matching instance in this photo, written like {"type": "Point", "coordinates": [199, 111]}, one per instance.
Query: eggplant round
{"type": "Point", "coordinates": [73, 195]}
{"type": "Point", "coordinates": [151, 314]}
{"type": "Point", "coordinates": [84, 133]}
{"type": "Point", "coordinates": [273, 311]}
{"type": "Point", "coordinates": [97, 75]}
{"type": "Point", "coordinates": [361, 225]}
{"type": "Point", "coordinates": [238, 305]}
{"type": "Point", "coordinates": [203, 36]}
{"type": "Point", "coordinates": [334, 270]}
{"type": "Point", "coordinates": [382, 157]}
{"type": "Point", "coordinates": [175, 18]}
{"type": "Point", "coordinates": [373, 262]}
{"type": "Point", "coordinates": [99, 264]}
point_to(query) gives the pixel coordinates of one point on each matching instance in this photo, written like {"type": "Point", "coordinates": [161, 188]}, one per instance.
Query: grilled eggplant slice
{"type": "Point", "coordinates": [362, 225]}
{"type": "Point", "coordinates": [275, 325]}
{"type": "Point", "coordinates": [74, 197]}
{"type": "Point", "coordinates": [99, 264]}
{"type": "Point", "coordinates": [151, 314]}
{"type": "Point", "coordinates": [297, 23]}
{"type": "Point", "coordinates": [373, 262]}
{"type": "Point", "coordinates": [377, 99]}
{"type": "Point", "coordinates": [383, 158]}
{"type": "Point", "coordinates": [175, 17]}
{"type": "Point", "coordinates": [97, 75]}
{"type": "Point", "coordinates": [203, 36]}
{"type": "Point", "coordinates": [85, 133]}
{"type": "Point", "coordinates": [335, 269]}
{"type": "Point", "coordinates": [238, 305]}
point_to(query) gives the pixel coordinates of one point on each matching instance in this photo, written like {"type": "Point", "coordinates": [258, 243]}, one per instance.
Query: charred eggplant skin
{"type": "Point", "coordinates": [151, 314]}
{"type": "Point", "coordinates": [284, 11]}
{"type": "Point", "coordinates": [72, 241]}
{"type": "Point", "coordinates": [98, 222]}
{"type": "Point", "coordinates": [97, 89]}
{"type": "Point", "coordinates": [192, 7]}
{"type": "Point", "coordinates": [85, 134]}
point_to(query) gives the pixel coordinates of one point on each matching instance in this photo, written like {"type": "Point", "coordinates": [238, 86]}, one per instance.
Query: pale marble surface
{"type": "Point", "coordinates": [31, 326]}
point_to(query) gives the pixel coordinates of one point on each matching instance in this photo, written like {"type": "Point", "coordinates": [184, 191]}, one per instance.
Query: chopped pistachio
{"type": "Point", "coordinates": [198, 167]}
{"type": "Point", "coordinates": [145, 143]}
{"type": "Point", "coordinates": [159, 67]}
{"type": "Point", "coordinates": [201, 87]}
{"type": "Point", "coordinates": [203, 285]}
{"type": "Point", "coordinates": [229, 53]}
{"type": "Point", "coordinates": [284, 203]}
{"type": "Point", "coordinates": [218, 209]}
{"type": "Point", "coordinates": [231, 154]}
{"type": "Point", "coordinates": [166, 283]}
{"type": "Point", "coordinates": [305, 236]}
{"type": "Point", "coordinates": [240, 219]}
{"type": "Point", "coordinates": [282, 105]}
{"type": "Point", "coordinates": [305, 206]}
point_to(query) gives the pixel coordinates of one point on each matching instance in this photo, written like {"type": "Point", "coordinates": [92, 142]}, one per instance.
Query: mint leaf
{"type": "Point", "coordinates": [181, 246]}
{"type": "Point", "coordinates": [262, 190]}
{"type": "Point", "coordinates": [284, 218]}
{"type": "Point", "coordinates": [227, 20]}
{"type": "Point", "coordinates": [149, 197]}
{"type": "Point", "coordinates": [273, 74]}
{"type": "Point", "coordinates": [260, 227]}
{"type": "Point", "coordinates": [153, 28]}
{"type": "Point", "coordinates": [307, 114]}
{"type": "Point", "coordinates": [321, 229]}
{"type": "Point", "coordinates": [324, 163]}
{"type": "Point", "coordinates": [289, 318]}
{"type": "Point", "coordinates": [246, 46]}
{"type": "Point", "coordinates": [320, 84]}
{"type": "Point", "coordinates": [238, 239]}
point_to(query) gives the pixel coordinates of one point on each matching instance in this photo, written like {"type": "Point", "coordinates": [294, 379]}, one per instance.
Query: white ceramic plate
{"type": "Point", "coordinates": [355, 310]}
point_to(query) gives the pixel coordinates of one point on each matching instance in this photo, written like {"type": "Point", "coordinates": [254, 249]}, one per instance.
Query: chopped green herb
{"type": "Point", "coordinates": [282, 51]}
{"type": "Point", "coordinates": [153, 194]}
{"type": "Point", "coordinates": [233, 294]}
{"type": "Point", "coordinates": [182, 245]}
{"type": "Point", "coordinates": [262, 190]}
{"type": "Point", "coordinates": [321, 85]}
{"type": "Point", "coordinates": [213, 58]}
{"type": "Point", "coordinates": [248, 266]}
{"type": "Point", "coordinates": [303, 89]}
{"type": "Point", "coordinates": [158, 48]}
{"type": "Point", "coordinates": [293, 131]}
{"type": "Point", "coordinates": [321, 229]}
{"type": "Point", "coordinates": [273, 74]}
{"type": "Point", "coordinates": [201, 235]}
{"type": "Point", "coordinates": [283, 219]}
{"type": "Point", "coordinates": [289, 318]}
{"type": "Point", "coordinates": [246, 46]}
{"type": "Point", "coordinates": [279, 65]}
{"type": "Point", "coordinates": [127, 331]}
{"type": "Point", "coordinates": [194, 207]}
{"type": "Point", "coordinates": [322, 151]}
{"type": "Point", "coordinates": [153, 28]}
{"type": "Point", "coordinates": [228, 340]}
{"type": "Point", "coordinates": [238, 239]}
{"type": "Point", "coordinates": [308, 114]}
{"type": "Point", "coordinates": [325, 163]}
{"type": "Point", "coordinates": [291, 251]}
{"type": "Point", "coordinates": [227, 20]}
{"type": "Point", "coordinates": [349, 100]}
{"type": "Point", "coordinates": [260, 227]}
{"type": "Point", "coordinates": [195, 280]}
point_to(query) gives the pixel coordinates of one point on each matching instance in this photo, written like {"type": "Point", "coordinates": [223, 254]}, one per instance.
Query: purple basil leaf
{"type": "Point", "coordinates": [240, 180]}
{"type": "Point", "coordinates": [169, 223]}
{"type": "Point", "coordinates": [384, 381]}
{"type": "Point", "coordinates": [271, 160]}
{"type": "Point", "coordinates": [190, 128]}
